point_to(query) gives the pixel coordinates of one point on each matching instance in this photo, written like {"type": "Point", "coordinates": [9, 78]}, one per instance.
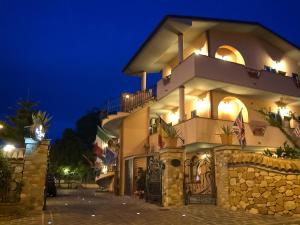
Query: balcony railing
{"type": "Point", "coordinates": [129, 101]}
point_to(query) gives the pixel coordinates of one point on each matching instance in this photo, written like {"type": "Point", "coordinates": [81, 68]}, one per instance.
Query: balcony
{"type": "Point", "coordinates": [203, 132]}
{"type": "Point", "coordinates": [214, 73]}
{"type": "Point", "coordinates": [118, 109]}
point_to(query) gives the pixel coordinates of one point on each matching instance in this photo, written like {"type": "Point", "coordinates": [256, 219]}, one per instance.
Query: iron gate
{"type": "Point", "coordinates": [154, 180]}
{"type": "Point", "coordinates": [199, 179]}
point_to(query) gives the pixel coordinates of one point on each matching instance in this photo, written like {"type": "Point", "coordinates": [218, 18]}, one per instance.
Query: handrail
{"type": "Point", "coordinates": [128, 101]}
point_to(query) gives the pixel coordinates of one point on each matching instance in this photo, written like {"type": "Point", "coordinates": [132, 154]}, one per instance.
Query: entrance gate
{"type": "Point", "coordinates": [199, 179]}
{"type": "Point", "coordinates": [154, 180]}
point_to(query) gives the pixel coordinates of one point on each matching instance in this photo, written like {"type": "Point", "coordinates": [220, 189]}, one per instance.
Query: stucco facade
{"type": "Point", "coordinates": [210, 71]}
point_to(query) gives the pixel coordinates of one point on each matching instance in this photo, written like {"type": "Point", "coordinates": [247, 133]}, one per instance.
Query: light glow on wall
{"type": "Point", "coordinates": [202, 50]}
{"type": "Point", "coordinates": [278, 65]}
{"type": "Point", "coordinates": [229, 53]}
{"type": "Point", "coordinates": [229, 108]}
{"type": "Point", "coordinates": [104, 169]}
{"type": "Point", "coordinates": [202, 106]}
{"type": "Point", "coordinates": [284, 111]}
{"type": "Point", "coordinates": [173, 117]}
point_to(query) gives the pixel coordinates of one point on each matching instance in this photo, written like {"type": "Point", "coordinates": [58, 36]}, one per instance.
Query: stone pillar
{"type": "Point", "coordinates": [181, 103]}
{"type": "Point", "coordinates": [172, 179]}
{"type": "Point", "coordinates": [34, 176]}
{"type": "Point", "coordinates": [222, 156]}
{"type": "Point", "coordinates": [180, 48]}
{"type": "Point", "coordinates": [144, 81]}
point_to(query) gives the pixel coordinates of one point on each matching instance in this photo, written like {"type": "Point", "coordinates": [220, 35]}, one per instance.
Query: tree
{"type": "Point", "coordinates": [86, 126]}
{"type": "Point", "coordinates": [67, 153]}
{"type": "Point", "coordinates": [14, 124]}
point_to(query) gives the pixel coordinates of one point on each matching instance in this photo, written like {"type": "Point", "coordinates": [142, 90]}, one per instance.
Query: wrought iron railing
{"type": "Point", "coordinates": [128, 101]}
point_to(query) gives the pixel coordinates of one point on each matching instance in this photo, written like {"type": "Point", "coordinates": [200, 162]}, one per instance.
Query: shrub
{"type": "Point", "coordinates": [5, 177]}
{"type": "Point", "coordinates": [285, 151]}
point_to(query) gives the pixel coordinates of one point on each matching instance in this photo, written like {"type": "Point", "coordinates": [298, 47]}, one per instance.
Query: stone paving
{"type": "Point", "coordinates": [85, 207]}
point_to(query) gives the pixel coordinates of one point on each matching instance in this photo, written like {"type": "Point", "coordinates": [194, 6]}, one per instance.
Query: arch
{"type": "Point", "coordinates": [229, 53]}
{"type": "Point", "coordinates": [229, 108]}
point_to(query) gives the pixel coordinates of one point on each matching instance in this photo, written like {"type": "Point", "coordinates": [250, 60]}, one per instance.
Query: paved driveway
{"type": "Point", "coordinates": [85, 207]}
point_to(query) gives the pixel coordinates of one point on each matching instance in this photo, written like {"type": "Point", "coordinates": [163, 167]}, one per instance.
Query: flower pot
{"type": "Point", "coordinates": [171, 142]}
{"type": "Point", "coordinates": [226, 139]}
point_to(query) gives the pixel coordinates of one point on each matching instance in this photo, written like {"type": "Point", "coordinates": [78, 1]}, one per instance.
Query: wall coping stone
{"type": "Point", "coordinates": [256, 159]}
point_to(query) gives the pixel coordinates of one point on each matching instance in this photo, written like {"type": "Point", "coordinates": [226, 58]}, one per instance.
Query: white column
{"type": "Point", "coordinates": [144, 81]}
{"type": "Point", "coordinates": [180, 48]}
{"type": "Point", "coordinates": [181, 103]}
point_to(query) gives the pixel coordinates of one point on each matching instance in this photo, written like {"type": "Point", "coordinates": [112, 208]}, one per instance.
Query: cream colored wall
{"type": "Point", "coordinates": [135, 132]}
{"type": "Point", "coordinates": [199, 43]}
{"type": "Point", "coordinates": [256, 52]}
{"type": "Point", "coordinates": [203, 130]}
{"type": "Point", "coordinates": [134, 136]}
{"type": "Point", "coordinates": [252, 104]}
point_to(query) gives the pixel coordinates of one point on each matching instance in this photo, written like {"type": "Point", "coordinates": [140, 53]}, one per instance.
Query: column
{"type": "Point", "coordinates": [222, 156]}
{"type": "Point", "coordinates": [181, 103]}
{"type": "Point", "coordinates": [180, 48]}
{"type": "Point", "coordinates": [144, 81]}
{"type": "Point", "coordinates": [172, 179]}
{"type": "Point", "coordinates": [34, 175]}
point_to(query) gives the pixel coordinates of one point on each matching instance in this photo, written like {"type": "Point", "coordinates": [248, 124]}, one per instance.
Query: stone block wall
{"type": "Point", "coordinates": [258, 190]}
{"type": "Point", "coordinates": [34, 176]}
{"type": "Point", "coordinates": [256, 183]}
{"type": "Point", "coordinates": [222, 157]}
{"type": "Point", "coordinates": [172, 179]}
{"type": "Point", "coordinates": [16, 182]}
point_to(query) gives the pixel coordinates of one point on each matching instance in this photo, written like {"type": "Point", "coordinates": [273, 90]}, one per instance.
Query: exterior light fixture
{"type": "Point", "coordinates": [197, 52]}
{"type": "Point", "coordinates": [9, 148]}
{"type": "Point", "coordinates": [205, 156]}
{"type": "Point", "coordinates": [39, 132]}
{"type": "Point", "coordinates": [1, 126]}
{"type": "Point", "coordinates": [127, 96]}
{"type": "Point", "coordinates": [282, 108]}
{"type": "Point", "coordinates": [104, 169]}
{"type": "Point", "coordinates": [277, 65]}
{"type": "Point", "coordinates": [173, 117]}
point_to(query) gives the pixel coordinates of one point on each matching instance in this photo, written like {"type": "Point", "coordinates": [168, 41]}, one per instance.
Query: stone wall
{"type": "Point", "coordinates": [16, 182]}
{"type": "Point", "coordinates": [34, 176]}
{"type": "Point", "coordinates": [257, 184]}
{"type": "Point", "coordinates": [172, 179]}
{"type": "Point", "coordinates": [222, 157]}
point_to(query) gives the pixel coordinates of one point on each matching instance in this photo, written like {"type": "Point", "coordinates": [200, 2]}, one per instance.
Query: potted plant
{"type": "Point", "coordinates": [171, 136]}
{"type": "Point", "coordinates": [226, 136]}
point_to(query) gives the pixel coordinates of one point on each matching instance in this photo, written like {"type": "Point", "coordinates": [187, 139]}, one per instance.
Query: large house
{"type": "Point", "coordinates": [210, 71]}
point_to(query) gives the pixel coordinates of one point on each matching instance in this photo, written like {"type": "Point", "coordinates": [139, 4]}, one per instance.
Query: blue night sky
{"type": "Point", "coordinates": [68, 55]}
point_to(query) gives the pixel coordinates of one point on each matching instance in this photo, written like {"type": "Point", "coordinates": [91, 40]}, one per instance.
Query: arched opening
{"type": "Point", "coordinates": [229, 53]}
{"type": "Point", "coordinates": [229, 108]}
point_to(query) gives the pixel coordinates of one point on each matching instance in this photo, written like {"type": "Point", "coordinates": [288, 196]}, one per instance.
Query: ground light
{"type": "Point", "coordinates": [9, 148]}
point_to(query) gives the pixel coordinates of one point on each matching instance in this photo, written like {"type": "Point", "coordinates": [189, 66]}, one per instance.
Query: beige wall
{"type": "Point", "coordinates": [200, 43]}
{"type": "Point", "coordinates": [256, 52]}
{"type": "Point", "coordinates": [134, 136]}
{"type": "Point", "coordinates": [135, 130]}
